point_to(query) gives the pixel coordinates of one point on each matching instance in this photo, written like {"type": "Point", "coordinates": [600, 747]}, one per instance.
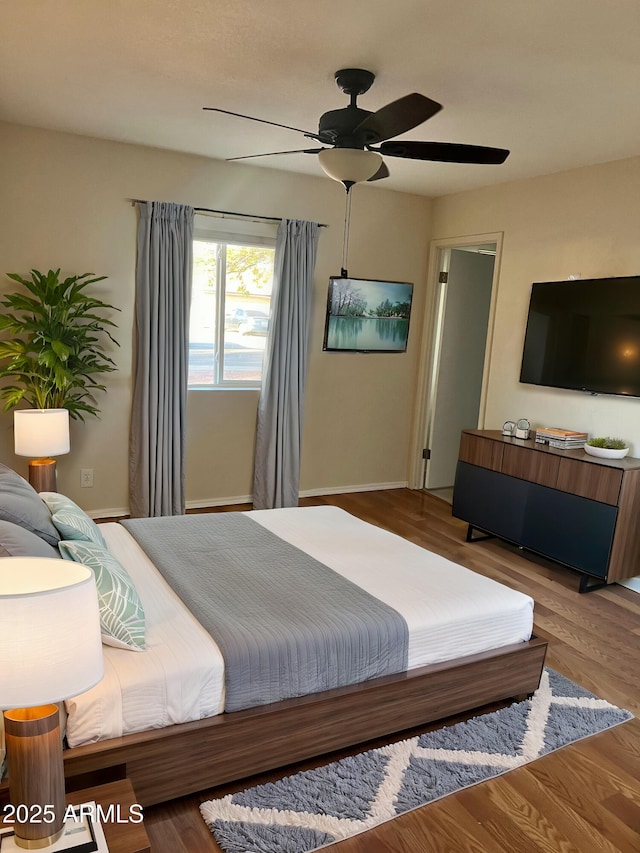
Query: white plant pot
{"type": "Point", "coordinates": [606, 452]}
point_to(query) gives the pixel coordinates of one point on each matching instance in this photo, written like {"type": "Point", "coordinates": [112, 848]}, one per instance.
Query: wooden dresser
{"type": "Point", "coordinates": [576, 509]}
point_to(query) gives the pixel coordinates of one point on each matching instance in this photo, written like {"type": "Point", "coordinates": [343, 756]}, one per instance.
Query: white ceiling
{"type": "Point", "coordinates": [555, 81]}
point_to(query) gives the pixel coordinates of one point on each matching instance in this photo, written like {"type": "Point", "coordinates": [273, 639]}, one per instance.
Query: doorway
{"type": "Point", "coordinates": [455, 358]}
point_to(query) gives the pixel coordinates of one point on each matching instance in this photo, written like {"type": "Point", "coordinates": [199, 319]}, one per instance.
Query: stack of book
{"type": "Point", "coordinates": [563, 439]}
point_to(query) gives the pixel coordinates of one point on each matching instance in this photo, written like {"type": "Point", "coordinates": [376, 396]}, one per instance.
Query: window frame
{"type": "Point", "coordinates": [235, 234]}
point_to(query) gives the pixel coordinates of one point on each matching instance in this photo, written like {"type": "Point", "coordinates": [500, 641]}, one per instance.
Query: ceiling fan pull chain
{"type": "Point", "coordinates": [345, 241]}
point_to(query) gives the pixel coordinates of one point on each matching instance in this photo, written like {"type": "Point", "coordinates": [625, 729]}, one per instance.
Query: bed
{"type": "Point", "coordinates": [162, 723]}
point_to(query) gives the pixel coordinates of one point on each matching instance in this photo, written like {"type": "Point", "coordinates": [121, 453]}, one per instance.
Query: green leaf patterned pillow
{"type": "Point", "coordinates": [71, 521]}
{"type": "Point", "coordinates": [122, 621]}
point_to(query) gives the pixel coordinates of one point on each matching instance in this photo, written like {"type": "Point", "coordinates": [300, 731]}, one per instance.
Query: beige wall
{"type": "Point", "coordinates": [64, 203]}
{"type": "Point", "coordinates": [586, 222]}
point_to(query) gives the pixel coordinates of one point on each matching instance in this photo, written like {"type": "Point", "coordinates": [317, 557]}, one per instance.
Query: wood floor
{"type": "Point", "coordinates": [584, 798]}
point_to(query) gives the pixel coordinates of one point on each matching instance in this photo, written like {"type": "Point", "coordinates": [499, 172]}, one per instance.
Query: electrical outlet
{"type": "Point", "coordinates": [86, 478]}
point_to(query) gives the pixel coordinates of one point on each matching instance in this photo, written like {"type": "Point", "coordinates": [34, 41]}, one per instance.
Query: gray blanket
{"type": "Point", "coordinates": [286, 624]}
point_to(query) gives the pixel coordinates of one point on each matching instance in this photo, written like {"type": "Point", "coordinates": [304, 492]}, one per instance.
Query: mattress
{"type": "Point", "coordinates": [450, 611]}
{"type": "Point", "coordinates": [179, 677]}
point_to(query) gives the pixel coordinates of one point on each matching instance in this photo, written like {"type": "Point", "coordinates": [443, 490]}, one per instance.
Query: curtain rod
{"type": "Point", "coordinates": [222, 213]}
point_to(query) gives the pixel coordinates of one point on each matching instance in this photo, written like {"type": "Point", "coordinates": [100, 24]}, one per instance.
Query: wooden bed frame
{"type": "Point", "coordinates": [167, 763]}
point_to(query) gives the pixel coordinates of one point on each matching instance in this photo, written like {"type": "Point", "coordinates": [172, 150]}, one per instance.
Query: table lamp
{"type": "Point", "coordinates": [42, 433]}
{"type": "Point", "coordinates": [50, 649]}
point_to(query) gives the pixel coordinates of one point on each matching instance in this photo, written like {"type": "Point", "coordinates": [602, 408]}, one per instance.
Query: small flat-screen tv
{"type": "Point", "coordinates": [365, 315]}
{"type": "Point", "coordinates": [584, 335]}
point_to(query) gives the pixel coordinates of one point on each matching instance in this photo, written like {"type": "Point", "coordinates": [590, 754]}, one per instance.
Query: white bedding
{"type": "Point", "coordinates": [450, 611]}
{"type": "Point", "coordinates": [179, 677]}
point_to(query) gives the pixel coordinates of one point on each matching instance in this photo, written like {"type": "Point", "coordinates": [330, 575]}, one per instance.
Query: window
{"type": "Point", "coordinates": [230, 310]}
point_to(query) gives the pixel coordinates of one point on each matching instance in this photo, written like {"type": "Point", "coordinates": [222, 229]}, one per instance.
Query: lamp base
{"type": "Point", "coordinates": [36, 774]}
{"type": "Point", "coordinates": [40, 844]}
{"type": "Point", "coordinates": [42, 475]}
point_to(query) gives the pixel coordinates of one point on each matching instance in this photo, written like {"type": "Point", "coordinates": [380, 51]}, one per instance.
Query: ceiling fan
{"type": "Point", "coordinates": [355, 140]}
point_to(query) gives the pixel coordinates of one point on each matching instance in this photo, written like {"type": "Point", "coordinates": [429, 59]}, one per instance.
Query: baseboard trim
{"type": "Point", "coordinates": [345, 490]}
{"type": "Point", "coordinates": [304, 493]}
{"type": "Point", "coordinates": [203, 504]}
{"type": "Point", "coordinates": [119, 512]}
{"type": "Point", "coordinates": [247, 499]}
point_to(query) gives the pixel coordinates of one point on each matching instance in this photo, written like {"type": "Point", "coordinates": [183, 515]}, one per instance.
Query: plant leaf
{"type": "Point", "coordinates": [61, 350]}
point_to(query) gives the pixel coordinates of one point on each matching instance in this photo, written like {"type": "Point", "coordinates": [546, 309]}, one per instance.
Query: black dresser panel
{"type": "Point", "coordinates": [567, 528]}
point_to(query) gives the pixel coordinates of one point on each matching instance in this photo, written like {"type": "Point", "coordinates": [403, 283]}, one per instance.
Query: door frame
{"type": "Point", "coordinates": [427, 379]}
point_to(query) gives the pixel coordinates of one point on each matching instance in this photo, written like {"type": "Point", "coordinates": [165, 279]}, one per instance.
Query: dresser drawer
{"type": "Point", "coordinates": [481, 451]}
{"type": "Point", "coordinates": [529, 464]}
{"type": "Point", "coordinates": [590, 481]}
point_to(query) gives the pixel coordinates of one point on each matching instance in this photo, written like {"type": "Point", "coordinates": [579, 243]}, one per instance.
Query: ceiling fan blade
{"type": "Point", "coordinates": [264, 121]}
{"type": "Point", "coordinates": [445, 152]}
{"type": "Point", "coordinates": [382, 172]}
{"type": "Point", "coordinates": [274, 153]}
{"type": "Point", "coordinates": [397, 117]}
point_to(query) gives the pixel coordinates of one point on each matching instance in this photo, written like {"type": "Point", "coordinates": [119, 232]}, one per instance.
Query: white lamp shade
{"type": "Point", "coordinates": [349, 165]}
{"type": "Point", "coordinates": [50, 644]}
{"type": "Point", "coordinates": [41, 432]}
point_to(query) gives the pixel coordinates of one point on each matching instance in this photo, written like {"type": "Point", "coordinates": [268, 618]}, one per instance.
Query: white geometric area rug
{"type": "Point", "coordinates": [315, 808]}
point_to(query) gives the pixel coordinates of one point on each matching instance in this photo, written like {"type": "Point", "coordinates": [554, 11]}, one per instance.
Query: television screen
{"type": "Point", "coordinates": [584, 335]}
{"type": "Point", "coordinates": [364, 315]}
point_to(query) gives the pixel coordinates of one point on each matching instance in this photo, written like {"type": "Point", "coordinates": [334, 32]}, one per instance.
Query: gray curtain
{"type": "Point", "coordinates": [163, 297]}
{"type": "Point", "coordinates": [280, 410]}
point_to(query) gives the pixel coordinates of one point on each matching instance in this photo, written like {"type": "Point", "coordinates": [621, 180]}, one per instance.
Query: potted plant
{"type": "Point", "coordinates": [608, 448]}
{"type": "Point", "coordinates": [55, 349]}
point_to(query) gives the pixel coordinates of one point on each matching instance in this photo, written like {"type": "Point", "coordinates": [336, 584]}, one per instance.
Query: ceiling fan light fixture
{"type": "Point", "coordinates": [349, 165]}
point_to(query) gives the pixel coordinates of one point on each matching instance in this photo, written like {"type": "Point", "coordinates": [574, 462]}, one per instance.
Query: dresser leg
{"type": "Point", "coordinates": [588, 584]}
{"type": "Point", "coordinates": [472, 538]}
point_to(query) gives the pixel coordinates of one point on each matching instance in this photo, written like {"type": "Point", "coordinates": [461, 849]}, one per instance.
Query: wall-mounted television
{"type": "Point", "coordinates": [364, 315]}
{"type": "Point", "coordinates": [584, 335]}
